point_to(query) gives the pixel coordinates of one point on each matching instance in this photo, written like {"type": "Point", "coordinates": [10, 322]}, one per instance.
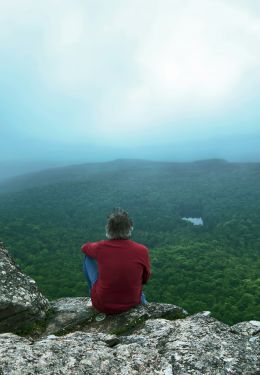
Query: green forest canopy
{"type": "Point", "coordinates": [47, 216]}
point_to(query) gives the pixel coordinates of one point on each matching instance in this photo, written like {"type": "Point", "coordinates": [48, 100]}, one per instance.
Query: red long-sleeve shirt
{"type": "Point", "coordinates": [123, 266]}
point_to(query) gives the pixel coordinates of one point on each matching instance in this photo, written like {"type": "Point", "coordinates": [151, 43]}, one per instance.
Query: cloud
{"type": "Point", "coordinates": [190, 58]}
{"type": "Point", "coordinates": [133, 65]}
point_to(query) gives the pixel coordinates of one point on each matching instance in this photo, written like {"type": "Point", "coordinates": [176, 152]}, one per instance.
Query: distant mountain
{"type": "Point", "coordinates": [13, 168]}
{"type": "Point", "coordinates": [69, 173]}
{"type": "Point", "coordinates": [81, 172]}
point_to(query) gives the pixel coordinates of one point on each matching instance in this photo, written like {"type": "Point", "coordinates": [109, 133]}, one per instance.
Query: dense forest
{"type": "Point", "coordinates": [45, 218]}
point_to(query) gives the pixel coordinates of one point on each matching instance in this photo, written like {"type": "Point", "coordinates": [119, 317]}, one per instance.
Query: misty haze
{"type": "Point", "coordinates": [165, 82]}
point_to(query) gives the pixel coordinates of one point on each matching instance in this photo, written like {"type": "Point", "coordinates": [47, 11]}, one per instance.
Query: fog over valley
{"type": "Point", "coordinates": [168, 81]}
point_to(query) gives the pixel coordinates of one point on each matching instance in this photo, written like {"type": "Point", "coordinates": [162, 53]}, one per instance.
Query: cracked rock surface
{"type": "Point", "coordinates": [198, 345]}
{"type": "Point", "coordinates": [20, 299]}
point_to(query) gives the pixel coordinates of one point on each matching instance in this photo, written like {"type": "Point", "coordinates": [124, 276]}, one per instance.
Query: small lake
{"type": "Point", "coordinates": [194, 220]}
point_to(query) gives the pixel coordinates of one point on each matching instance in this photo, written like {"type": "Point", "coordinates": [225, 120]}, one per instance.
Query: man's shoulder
{"type": "Point", "coordinates": [105, 243]}
{"type": "Point", "coordinates": [97, 243]}
{"type": "Point", "coordinates": [138, 245]}
{"type": "Point", "coordinates": [93, 245]}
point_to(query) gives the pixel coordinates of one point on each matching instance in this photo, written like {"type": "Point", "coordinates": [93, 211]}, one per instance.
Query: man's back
{"type": "Point", "coordinates": [123, 266]}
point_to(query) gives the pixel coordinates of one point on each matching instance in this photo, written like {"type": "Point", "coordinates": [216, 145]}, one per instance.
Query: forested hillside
{"type": "Point", "coordinates": [46, 217]}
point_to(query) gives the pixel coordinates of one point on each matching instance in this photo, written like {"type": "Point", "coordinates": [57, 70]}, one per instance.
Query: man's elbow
{"type": "Point", "coordinates": [83, 249]}
{"type": "Point", "coordinates": [146, 278]}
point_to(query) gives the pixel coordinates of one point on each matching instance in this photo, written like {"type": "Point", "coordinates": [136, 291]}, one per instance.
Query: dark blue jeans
{"type": "Point", "coordinates": [90, 270]}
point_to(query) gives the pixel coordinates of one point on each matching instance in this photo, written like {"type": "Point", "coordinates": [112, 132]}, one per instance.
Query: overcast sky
{"type": "Point", "coordinates": [98, 80]}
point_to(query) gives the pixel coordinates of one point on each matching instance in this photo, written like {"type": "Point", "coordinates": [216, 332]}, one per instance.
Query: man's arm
{"type": "Point", "coordinates": [147, 268]}
{"type": "Point", "coordinates": [90, 250]}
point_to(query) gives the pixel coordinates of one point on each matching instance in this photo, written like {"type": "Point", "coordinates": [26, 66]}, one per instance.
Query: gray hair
{"type": "Point", "coordinates": [119, 225]}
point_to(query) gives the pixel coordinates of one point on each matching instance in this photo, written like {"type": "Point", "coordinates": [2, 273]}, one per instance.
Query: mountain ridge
{"type": "Point", "coordinates": [81, 171]}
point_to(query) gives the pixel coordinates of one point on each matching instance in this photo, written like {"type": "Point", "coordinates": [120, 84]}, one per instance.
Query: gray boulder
{"type": "Point", "coordinates": [21, 302]}
{"type": "Point", "coordinates": [198, 345]}
{"type": "Point", "coordinates": [247, 328]}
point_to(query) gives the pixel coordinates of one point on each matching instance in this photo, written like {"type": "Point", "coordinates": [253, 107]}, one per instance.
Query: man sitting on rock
{"type": "Point", "coordinates": [116, 268]}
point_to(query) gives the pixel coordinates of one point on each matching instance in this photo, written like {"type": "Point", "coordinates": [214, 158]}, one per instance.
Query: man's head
{"type": "Point", "coordinates": [119, 225]}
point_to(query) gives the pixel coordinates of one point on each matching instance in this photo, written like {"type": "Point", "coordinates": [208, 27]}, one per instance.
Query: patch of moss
{"type": "Point", "coordinates": [74, 326]}
{"type": "Point", "coordinates": [174, 315]}
{"type": "Point", "coordinates": [129, 327]}
{"type": "Point", "coordinates": [35, 328]}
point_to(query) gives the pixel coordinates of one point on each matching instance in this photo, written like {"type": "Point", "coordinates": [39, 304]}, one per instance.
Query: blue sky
{"type": "Point", "coordinates": [99, 80]}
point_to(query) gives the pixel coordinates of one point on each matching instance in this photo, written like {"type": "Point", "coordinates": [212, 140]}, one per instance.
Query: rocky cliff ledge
{"type": "Point", "coordinates": [66, 336]}
{"type": "Point", "coordinates": [20, 300]}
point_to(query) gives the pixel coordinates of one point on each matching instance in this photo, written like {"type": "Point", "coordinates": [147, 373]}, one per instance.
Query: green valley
{"type": "Point", "coordinates": [46, 216]}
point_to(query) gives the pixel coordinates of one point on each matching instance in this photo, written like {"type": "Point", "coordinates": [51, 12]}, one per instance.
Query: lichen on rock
{"type": "Point", "coordinates": [195, 345]}
{"type": "Point", "coordinates": [246, 328]}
